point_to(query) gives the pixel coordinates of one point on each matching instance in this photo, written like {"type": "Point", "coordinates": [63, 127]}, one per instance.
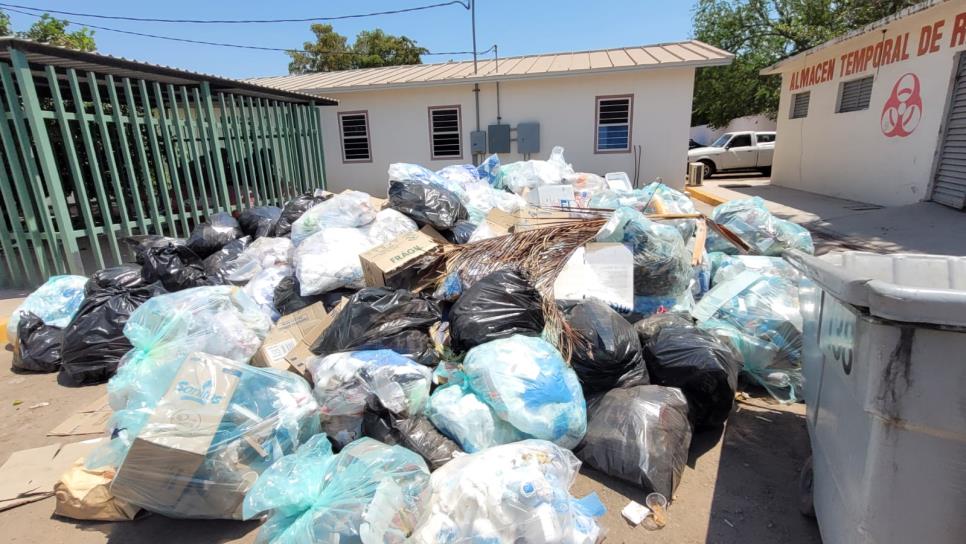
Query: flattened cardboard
{"type": "Point", "coordinates": [301, 352]}
{"type": "Point", "coordinates": [286, 334]}
{"type": "Point", "coordinates": [531, 218]}
{"type": "Point", "coordinates": [604, 271]}
{"type": "Point", "coordinates": [92, 419]}
{"type": "Point", "coordinates": [552, 195]}
{"type": "Point", "coordinates": [30, 475]}
{"type": "Point", "coordinates": [382, 263]}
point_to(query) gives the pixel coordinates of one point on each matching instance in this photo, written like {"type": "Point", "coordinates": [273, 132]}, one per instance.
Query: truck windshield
{"type": "Point", "coordinates": [721, 141]}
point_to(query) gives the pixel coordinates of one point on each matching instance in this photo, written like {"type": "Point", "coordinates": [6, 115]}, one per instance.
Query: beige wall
{"type": "Point", "coordinates": [848, 155]}
{"type": "Point", "coordinates": [564, 107]}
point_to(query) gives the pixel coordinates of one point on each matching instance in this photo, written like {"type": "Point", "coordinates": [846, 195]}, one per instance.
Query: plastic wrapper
{"type": "Point", "coordinates": [262, 288]}
{"type": "Point", "coordinates": [350, 209]}
{"type": "Point", "coordinates": [586, 186]}
{"type": "Point", "coordinates": [489, 169]}
{"type": "Point", "coordinates": [758, 313]}
{"type": "Point", "coordinates": [207, 238]}
{"type": "Point", "coordinates": [415, 433]}
{"type": "Point", "coordinates": [368, 492]}
{"type": "Point", "coordinates": [756, 226]}
{"type": "Point", "coordinates": [217, 426]}
{"type": "Point", "coordinates": [288, 297]}
{"type": "Point", "coordinates": [139, 243]}
{"type": "Point", "coordinates": [427, 203]}
{"type": "Point", "coordinates": [125, 276]}
{"type": "Point", "coordinates": [55, 303]}
{"type": "Point", "coordinates": [347, 382]}
{"type": "Point", "coordinates": [38, 345]}
{"type": "Point", "coordinates": [725, 267]}
{"type": "Point", "coordinates": [656, 197]}
{"type": "Point", "coordinates": [295, 208]}
{"type": "Point", "coordinates": [263, 253]}
{"type": "Point", "coordinates": [662, 264]}
{"type": "Point", "coordinates": [678, 354]}
{"type": "Point", "coordinates": [512, 493]}
{"type": "Point", "coordinates": [94, 341]}
{"type": "Point", "coordinates": [518, 176]}
{"type": "Point", "coordinates": [462, 416]}
{"type": "Point", "coordinates": [499, 305]}
{"type": "Point", "coordinates": [639, 434]}
{"type": "Point", "coordinates": [377, 318]}
{"type": "Point", "coordinates": [528, 384]}
{"type": "Point", "coordinates": [610, 354]}
{"type": "Point", "coordinates": [221, 262]}
{"type": "Point", "coordinates": [259, 221]}
{"type": "Point", "coordinates": [176, 268]}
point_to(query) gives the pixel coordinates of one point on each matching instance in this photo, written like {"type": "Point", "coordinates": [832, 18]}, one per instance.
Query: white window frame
{"type": "Point", "coordinates": [597, 124]}
{"type": "Point", "coordinates": [433, 132]}
{"type": "Point", "coordinates": [367, 137]}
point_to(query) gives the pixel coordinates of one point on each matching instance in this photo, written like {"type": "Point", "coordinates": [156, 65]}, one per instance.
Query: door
{"type": "Point", "coordinates": [739, 153]}
{"type": "Point", "coordinates": [766, 149]}
{"type": "Point", "coordinates": [949, 181]}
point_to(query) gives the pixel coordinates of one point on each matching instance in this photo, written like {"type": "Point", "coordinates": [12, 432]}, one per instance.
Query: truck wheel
{"type": "Point", "coordinates": [806, 502]}
{"type": "Point", "coordinates": [709, 169]}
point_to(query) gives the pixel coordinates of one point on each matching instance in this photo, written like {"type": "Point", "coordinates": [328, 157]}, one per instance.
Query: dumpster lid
{"type": "Point", "coordinates": [901, 287]}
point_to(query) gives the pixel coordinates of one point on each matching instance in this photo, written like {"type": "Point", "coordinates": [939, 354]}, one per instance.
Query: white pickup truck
{"type": "Point", "coordinates": [736, 151]}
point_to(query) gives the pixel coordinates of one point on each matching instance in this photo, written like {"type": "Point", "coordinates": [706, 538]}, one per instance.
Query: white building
{"type": "Point", "coordinates": [604, 107]}
{"type": "Point", "coordinates": [879, 115]}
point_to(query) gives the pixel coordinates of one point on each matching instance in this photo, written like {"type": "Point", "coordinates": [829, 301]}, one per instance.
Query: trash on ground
{"type": "Point", "coordinates": [609, 352]}
{"type": "Point", "coordinates": [29, 475]}
{"type": "Point", "coordinates": [84, 494]}
{"type": "Point", "coordinates": [499, 305]}
{"type": "Point", "coordinates": [635, 513]}
{"type": "Point", "coordinates": [92, 419]}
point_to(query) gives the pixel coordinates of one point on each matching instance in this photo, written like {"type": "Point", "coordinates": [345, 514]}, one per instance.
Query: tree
{"type": "Point", "coordinates": [760, 33]}
{"type": "Point", "coordinates": [371, 48]}
{"type": "Point", "coordinates": [5, 29]}
{"type": "Point", "coordinates": [54, 31]}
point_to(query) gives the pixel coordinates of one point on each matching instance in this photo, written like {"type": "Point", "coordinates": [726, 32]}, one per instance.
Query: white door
{"type": "Point", "coordinates": [740, 153]}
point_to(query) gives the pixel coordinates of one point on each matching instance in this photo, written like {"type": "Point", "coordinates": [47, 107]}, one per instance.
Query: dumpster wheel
{"type": "Point", "coordinates": [806, 504]}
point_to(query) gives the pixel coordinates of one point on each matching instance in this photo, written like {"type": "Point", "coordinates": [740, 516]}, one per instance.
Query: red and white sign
{"type": "Point", "coordinates": [903, 110]}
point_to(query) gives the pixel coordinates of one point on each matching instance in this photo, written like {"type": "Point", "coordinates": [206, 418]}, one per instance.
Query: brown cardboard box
{"type": "Point", "coordinates": [289, 332]}
{"type": "Point", "coordinates": [301, 352]}
{"type": "Point", "coordinates": [531, 218]}
{"type": "Point", "coordinates": [162, 461]}
{"type": "Point", "coordinates": [382, 265]}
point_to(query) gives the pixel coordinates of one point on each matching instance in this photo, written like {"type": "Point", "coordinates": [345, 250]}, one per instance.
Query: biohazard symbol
{"type": "Point", "coordinates": [903, 110]}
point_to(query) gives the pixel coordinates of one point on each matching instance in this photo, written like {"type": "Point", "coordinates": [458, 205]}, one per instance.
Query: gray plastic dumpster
{"type": "Point", "coordinates": [885, 391]}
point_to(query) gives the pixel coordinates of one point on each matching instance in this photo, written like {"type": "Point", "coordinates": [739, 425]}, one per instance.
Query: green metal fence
{"type": "Point", "coordinates": [90, 158]}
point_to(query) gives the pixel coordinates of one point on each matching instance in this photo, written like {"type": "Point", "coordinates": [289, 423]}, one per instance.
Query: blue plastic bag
{"type": "Point", "coordinates": [462, 416]}
{"type": "Point", "coordinates": [55, 303]}
{"type": "Point", "coordinates": [756, 226]}
{"type": "Point", "coordinates": [368, 492]}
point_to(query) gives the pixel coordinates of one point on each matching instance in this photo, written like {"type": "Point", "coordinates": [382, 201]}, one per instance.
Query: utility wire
{"type": "Point", "coordinates": [234, 45]}
{"type": "Point", "coordinates": [239, 21]}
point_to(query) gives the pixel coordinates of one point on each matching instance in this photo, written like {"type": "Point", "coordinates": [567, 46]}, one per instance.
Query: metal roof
{"type": "Point", "coordinates": [646, 57]}
{"type": "Point", "coordinates": [62, 57]}
{"type": "Point", "coordinates": [778, 66]}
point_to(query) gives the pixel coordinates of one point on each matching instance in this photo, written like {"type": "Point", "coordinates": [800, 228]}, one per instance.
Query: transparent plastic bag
{"type": "Point", "coordinates": [518, 176]}
{"type": "Point", "coordinates": [350, 209]}
{"type": "Point", "coordinates": [462, 416]}
{"type": "Point", "coordinates": [662, 264]}
{"type": "Point", "coordinates": [345, 383]}
{"type": "Point", "coordinates": [368, 492]}
{"type": "Point", "coordinates": [511, 493]}
{"type": "Point", "coordinates": [388, 225]}
{"type": "Point", "coordinates": [528, 384]}
{"type": "Point", "coordinates": [218, 264]}
{"type": "Point", "coordinates": [217, 424]}
{"type": "Point", "coordinates": [294, 209]}
{"type": "Point", "coordinates": [726, 267]}
{"type": "Point", "coordinates": [756, 226]}
{"type": "Point", "coordinates": [655, 197]}
{"type": "Point", "coordinates": [55, 303]}
{"type": "Point", "coordinates": [257, 256]}
{"type": "Point", "coordinates": [586, 187]}
{"type": "Point", "coordinates": [262, 288]}
{"type": "Point", "coordinates": [639, 434]}
{"type": "Point", "coordinates": [259, 221]}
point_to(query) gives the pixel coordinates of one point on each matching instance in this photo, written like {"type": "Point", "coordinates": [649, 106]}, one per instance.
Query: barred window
{"type": "Point", "coordinates": [800, 105]}
{"type": "Point", "coordinates": [354, 127]}
{"type": "Point", "coordinates": [445, 132]}
{"type": "Point", "coordinates": [855, 95]}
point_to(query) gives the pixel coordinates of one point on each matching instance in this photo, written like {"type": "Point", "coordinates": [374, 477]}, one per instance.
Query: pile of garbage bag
{"type": "Point", "coordinates": [497, 306]}
{"type": "Point", "coordinates": [609, 352]}
{"type": "Point", "coordinates": [294, 209]}
{"type": "Point", "coordinates": [662, 265]}
{"type": "Point", "coordinates": [755, 225]}
{"type": "Point", "coordinates": [209, 237]}
{"type": "Point", "coordinates": [54, 303]}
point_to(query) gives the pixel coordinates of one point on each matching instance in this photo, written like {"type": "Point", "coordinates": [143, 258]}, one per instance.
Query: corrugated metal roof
{"type": "Point", "coordinates": [62, 57]}
{"type": "Point", "coordinates": [647, 57]}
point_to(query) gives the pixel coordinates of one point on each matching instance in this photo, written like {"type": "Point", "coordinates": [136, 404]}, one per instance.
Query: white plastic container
{"type": "Point", "coordinates": [885, 390]}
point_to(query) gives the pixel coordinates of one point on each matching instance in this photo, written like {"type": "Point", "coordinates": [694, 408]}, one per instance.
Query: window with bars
{"type": "Point", "coordinates": [445, 129]}
{"type": "Point", "coordinates": [800, 105]}
{"type": "Point", "coordinates": [855, 95]}
{"type": "Point", "coordinates": [613, 124]}
{"type": "Point", "coordinates": [354, 127]}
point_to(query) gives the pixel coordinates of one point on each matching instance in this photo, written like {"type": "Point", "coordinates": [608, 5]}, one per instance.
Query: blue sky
{"type": "Point", "coordinates": [517, 27]}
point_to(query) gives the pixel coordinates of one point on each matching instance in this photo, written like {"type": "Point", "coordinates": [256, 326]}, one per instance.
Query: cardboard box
{"type": "Point", "coordinates": [531, 218]}
{"type": "Point", "coordinates": [159, 469]}
{"type": "Point", "coordinates": [552, 195]}
{"type": "Point", "coordinates": [302, 351]}
{"type": "Point", "coordinates": [289, 332]}
{"type": "Point", "coordinates": [394, 263]}
{"type": "Point", "coordinates": [604, 271]}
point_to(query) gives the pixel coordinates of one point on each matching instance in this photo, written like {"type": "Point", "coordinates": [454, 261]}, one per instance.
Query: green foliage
{"type": "Point", "coordinates": [5, 29]}
{"type": "Point", "coordinates": [54, 31]}
{"type": "Point", "coordinates": [760, 33]}
{"type": "Point", "coordinates": [372, 48]}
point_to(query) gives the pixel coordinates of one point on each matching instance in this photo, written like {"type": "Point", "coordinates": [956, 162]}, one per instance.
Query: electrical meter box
{"type": "Point", "coordinates": [499, 138]}
{"type": "Point", "coordinates": [478, 141]}
{"type": "Point", "coordinates": [528, 138]}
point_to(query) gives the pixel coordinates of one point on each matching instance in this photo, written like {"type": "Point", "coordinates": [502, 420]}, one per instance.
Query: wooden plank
{"type": "Point", "coordinates": [145, 169]}
{"type": "Point", "coordinates": [183, 154]}
{"type": "Point", "coordinates": [155, 148]}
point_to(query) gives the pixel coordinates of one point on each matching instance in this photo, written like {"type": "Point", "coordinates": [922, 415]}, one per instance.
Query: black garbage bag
{"type": "Point", "coordinates": [609, 354]}
{"type": "Point", "coordinates": [125, 276]}
{"type": "Point", "coordinates": [259, 221]}
{"type": "Point", "coordinates": [94, 341]}
{"type": "Point", "coordinates": [140, 243]}
{"type": "Point", "coordinates": [295, 208]}
{"type": "Point", "coordinates": [176, 267]}
{"type": "Point", "coordinates": [288, 298]}
{"type": "Point", "coordinates": [377, 318]}
{"type": "Point", "coordinates": [218, 264]}
{"type": "Point", "coordinates": [639, 434]}
{"type": "Point", "coordinates": [208, 238]}
{"type": "Point", "coordinates": [497, 306]}
{"type": "Point", "coordinates": [38, 345]}
{"type": "Point", "coordinates": [460, 233]}
{"type": "Point", "coordinates": [427, 204]}
{"type": "Point", "coordinates": [678, 354]}
{"type": "Point", "coordinates": [415, 433]}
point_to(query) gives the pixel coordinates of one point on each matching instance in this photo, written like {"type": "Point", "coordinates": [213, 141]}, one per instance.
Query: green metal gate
{"type": "Point", "coordinates": [92, 157]}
